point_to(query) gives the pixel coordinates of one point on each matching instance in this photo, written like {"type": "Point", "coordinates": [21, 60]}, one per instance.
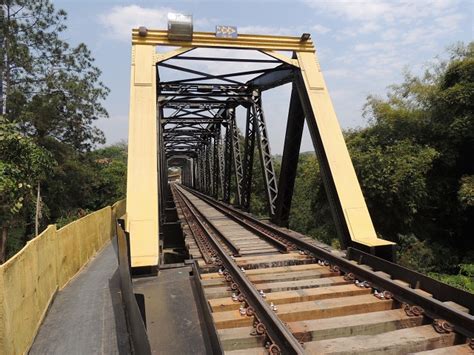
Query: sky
{"type": "Point", "coordinates": [363, 46]}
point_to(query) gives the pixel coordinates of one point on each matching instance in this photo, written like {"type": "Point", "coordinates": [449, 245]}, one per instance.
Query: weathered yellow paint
{"type": "Point", "coordinates": [281, 57]}
{"type": "Point", "coordinates": [243, 41]}
{"type": "Point", "coordinates": [161, 57]}
{"type": "Point", "coordinates": [30, 279]}
{"type": "Point", "coordinates": [143, 178]}
{"type": "Point", "coordinates": [142, 173]}
{"type": "Point", "coordinates": [347, 185]}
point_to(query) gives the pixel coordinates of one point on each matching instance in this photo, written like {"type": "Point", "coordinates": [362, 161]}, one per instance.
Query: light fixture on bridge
{"type": "Point", "coordinates": [180, 27]}
{"type": "Point", "coordinates": [305, 37]}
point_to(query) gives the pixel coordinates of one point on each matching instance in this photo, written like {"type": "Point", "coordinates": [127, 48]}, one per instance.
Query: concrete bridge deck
{"type": "Point", "coordinates": [87, 316]}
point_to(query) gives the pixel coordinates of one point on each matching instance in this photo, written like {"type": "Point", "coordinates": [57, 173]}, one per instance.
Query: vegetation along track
{"type": "Point", "coordinates": [272, 290]}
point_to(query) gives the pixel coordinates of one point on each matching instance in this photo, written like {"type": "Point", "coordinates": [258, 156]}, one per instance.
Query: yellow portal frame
{"type": "Point", "coordinates": [143, 177]}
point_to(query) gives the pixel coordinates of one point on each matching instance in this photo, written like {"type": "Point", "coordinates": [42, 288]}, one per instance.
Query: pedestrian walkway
{"type": "Point", "coordinates": [87, 316]}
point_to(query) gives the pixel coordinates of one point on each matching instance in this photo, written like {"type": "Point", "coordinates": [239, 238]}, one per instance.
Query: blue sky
{"type": "Point", "coordinates": [363, 45]}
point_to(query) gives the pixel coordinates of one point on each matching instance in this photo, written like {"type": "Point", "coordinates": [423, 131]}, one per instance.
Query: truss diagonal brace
{"type": "Point", "coordinates": [269, 176]}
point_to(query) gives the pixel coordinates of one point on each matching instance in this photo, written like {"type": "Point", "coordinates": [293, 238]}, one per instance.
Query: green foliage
{"type": "Point", "coordinates": [52, 89]}
{"type": "Point", "coordinates": [111, 164]}
{"type": "Point", "coordinates": [393, 178]}
{"type": "Point", "coordinates": [414, 163]}
{"type": "Point", "coordinates": [466, 192]}
{"type": "Point", "coordinates": [22, 165]}
{"type": "Point", "coordinates": [310, 212]}
{"type": "Point", "coordinates": [51, 95]}
{"type": "Point", "coordinates": [463, 280]}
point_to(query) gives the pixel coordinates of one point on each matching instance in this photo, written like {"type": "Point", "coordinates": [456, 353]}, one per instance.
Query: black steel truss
{"type": "Point", "coordinates": [197, 111]}
{"type": "Point", "coordinates": [269, 176]}
{"type": "Point", "coordinates": [247, 161]}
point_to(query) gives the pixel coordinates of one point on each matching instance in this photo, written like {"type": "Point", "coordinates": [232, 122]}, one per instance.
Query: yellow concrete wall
{"type": "Point", "coordinates": [30, 279]}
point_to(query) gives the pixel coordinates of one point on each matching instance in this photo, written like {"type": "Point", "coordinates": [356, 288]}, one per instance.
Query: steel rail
{"type": "Point", "coordinates": [185, 201]}
{"type": "Point", "coordinates": [207, 258]}
{"type": "Point", "coordinates": [276, 330]}
{"type": "Point", "coordinates": [463, 322]}
{"type": "Point", "coordinates": [233, 248]}
{"type": "Point", "coordinates": [278, 244]}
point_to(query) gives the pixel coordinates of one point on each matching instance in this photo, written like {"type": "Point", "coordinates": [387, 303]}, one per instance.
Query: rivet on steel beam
{"type": "Point", "coordinates": [142, 31]}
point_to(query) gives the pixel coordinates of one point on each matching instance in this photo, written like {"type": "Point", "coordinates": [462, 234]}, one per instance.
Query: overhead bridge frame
{"type": "Point", "coordinates": [194, 119]}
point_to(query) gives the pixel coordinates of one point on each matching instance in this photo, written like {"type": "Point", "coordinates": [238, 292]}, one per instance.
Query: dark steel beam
{"type": "Point", "coordinates": [204, 76]}
{"type": "Point", "coordinates": [223, 76]}
{"type": "Point", "coordinates": [289, 163]}
{"type": "Point", "coordinates": [269, 176]}
{"type": "Point", "coordinates": [216, 162]}
{"type": "Point", "coordinates": [227, 163]}
{"type": "Point", "coordinates": [279, 76]}
{"type": "Point", "coordinates": [212, 59]}
{"type": "Point", "coordinates": [247, 161]}
{"type": "Point", "coordinates": [236, 157]}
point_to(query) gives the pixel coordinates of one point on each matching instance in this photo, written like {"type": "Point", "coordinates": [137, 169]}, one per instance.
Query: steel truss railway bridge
{"type": "Point", "coordinates": [197, 272]}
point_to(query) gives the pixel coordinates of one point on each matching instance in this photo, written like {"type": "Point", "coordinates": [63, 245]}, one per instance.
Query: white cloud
{"type": "Point", "coordinates": [266, 30]}
{"type": "Point", "coordinates": [320, 29]}
{"type": "Point", "coordinates": [388, 11]}
{"type": "Point", "coordinates": [120, 20]}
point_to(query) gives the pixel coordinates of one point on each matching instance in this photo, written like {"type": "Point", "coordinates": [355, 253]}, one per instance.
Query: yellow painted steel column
{"type": "Point", "coordinates": [343, 174]}
{"type": "Point", "coordinates": [142, 174]}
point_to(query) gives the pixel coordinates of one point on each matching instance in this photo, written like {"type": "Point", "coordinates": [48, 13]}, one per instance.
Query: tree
{"type": "Point", "coordinates": [49, 88]}
{"type": "Point", "coordinates": [52, 93]}
{"type": "Point", "coordinates": [22, 165]}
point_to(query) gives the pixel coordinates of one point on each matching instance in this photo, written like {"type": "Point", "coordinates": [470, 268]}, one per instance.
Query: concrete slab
{"type": "Point", "coordinates": [87, 316]}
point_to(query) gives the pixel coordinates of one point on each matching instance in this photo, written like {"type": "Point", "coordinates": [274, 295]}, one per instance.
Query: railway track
{"type": "Point", "coordinates": [269, 290]}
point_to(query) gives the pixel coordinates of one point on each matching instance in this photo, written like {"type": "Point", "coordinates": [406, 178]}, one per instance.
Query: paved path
{"type": "Point", "coordinates": [87, 317]}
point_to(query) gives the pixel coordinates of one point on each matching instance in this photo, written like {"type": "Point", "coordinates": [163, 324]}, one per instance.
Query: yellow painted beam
{"type": "Point", "coordinates": [161, 57]}
{"type": "Point", "coordinates": [281, 57]}
{"type": "Point", "coordinates": [142, 173]}
{"type": "Point", "coordinates": [349, 193]}
{"type": "Point", "coordinates": [243, 41]}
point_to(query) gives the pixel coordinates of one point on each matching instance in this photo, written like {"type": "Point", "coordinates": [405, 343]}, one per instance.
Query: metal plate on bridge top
{"type": "Point", "coordinates": [226, 31]}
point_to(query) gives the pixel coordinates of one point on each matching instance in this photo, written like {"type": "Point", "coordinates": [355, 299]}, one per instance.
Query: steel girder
{"type": "Point", "coordinates": [236, 157]}
{"type": "Point", "coordinates": [209, 167]}
{"type": "Point", "coordinates": [289, 163]}
{"type": "Point", "coordinates": [227, 163]}
{"type": "Point", "coordinates": [247, 161]}
{"type": "Point", "coordinates": [220, 156]}
{"type": "Point", "coordinates": [269, 176]}
{"type": "Point", "coordinates": [216, 162]}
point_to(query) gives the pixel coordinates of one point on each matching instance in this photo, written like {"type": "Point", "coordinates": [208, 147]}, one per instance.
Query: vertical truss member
{"type": "Point", "coordinates": [247, 161]}
{"type": "Point", "coordinates": [220, 153]}
{"type": "Point", "coordinates": [216, 162]}
{"type": "Point", "coordinates": [237, 160]}
{"type": "Point", "coordinates": [269, 176]}
{"type": "Point", "coordinates": [227, 162]}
